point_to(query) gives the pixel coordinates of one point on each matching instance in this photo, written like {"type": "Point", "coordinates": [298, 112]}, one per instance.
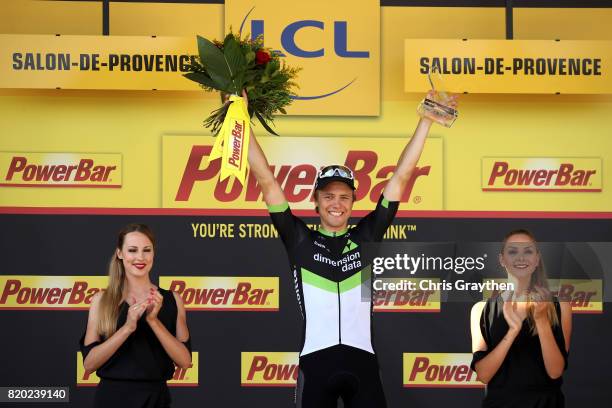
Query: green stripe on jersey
{"type": "Point", "coordinates": [277, 208]}
{"type": "Point", "coordinates": [318, 281]}
{"type": "Point", "coordinates": [352, 282]}
{"type": "Point", "coordinates": [332, 234]}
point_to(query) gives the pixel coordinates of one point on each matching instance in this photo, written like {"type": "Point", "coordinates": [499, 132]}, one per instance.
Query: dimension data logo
{"type": "Point", "coordinates": [335, 44]}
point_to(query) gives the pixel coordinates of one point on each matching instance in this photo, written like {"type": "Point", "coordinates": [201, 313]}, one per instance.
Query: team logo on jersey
{"type": "Point", "coordinates": [350, 245]}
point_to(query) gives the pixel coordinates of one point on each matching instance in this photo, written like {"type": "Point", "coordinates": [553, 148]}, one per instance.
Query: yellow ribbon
{"type": "Point", "coordinates": [232, 143]}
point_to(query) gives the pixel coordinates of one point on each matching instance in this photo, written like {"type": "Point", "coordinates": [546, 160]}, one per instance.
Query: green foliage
{"type": "Point", "coordinates": [233, 65]}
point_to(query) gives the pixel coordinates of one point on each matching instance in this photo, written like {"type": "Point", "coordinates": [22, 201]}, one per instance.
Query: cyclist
{"type": "Point", "coordinates": [330, 271]}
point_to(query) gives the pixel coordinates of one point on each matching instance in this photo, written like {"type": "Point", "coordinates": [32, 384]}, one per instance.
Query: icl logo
{"type": "Point", "coordinates": [287, 40]}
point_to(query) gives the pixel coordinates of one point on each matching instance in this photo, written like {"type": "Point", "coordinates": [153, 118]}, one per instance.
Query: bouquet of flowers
{"type": "Point", "coordinates": [238, 64]}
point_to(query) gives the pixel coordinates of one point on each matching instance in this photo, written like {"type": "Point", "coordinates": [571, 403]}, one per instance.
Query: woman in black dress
{"type": "Point", "coordinates": [136, 332]}
{"type": "Point", "coordinates": [520, 338]}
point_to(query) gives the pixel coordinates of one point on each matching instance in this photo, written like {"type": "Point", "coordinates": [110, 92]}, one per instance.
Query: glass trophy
{"type": "Point", "coordinates": [437, 109]}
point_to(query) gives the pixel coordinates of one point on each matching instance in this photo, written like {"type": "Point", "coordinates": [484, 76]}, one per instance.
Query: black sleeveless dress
{"type": "Point", "coordinates": [135, 376]}
{"type": "Point", "coordinates": [521, 380]}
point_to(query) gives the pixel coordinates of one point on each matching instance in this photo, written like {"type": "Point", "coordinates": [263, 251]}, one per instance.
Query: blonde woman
{"type": "Point", "coordinates": [136, 331]}
{"type": "Point", "coordinates": [520, 339]}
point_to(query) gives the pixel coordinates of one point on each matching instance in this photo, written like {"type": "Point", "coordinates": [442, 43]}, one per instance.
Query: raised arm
{"type": "Point", "coordinates": [258, 164]}
{"type": "Point", "coordinates": [409, 158]}
{"type": "Point", "coordinates": [407, 162]}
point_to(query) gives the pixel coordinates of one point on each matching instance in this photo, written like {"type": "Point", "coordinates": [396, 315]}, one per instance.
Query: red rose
{"type": "Point", "coordinates": [262, 57]}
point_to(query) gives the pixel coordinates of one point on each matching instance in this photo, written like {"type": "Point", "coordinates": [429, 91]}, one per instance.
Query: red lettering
{"type": "Point", "coordinates": [12, 286]}
{"type": "Point", "coordinates": [525, 177]}
{"type": "Point", "coordinates": [420, 365]}
{"type": "Point", "coordinates": [499, 169]}
{"type": "Point", "coordinates": [83, 171]}
{"type": "Point", "coordinates": [287, 371]}
{"type": "Point", "coordinates": [78, 293]}
{"type": "Point", "coordinates": [258, 364]}
{"type": "Point", "coordinates": [17, 165]}
{"type": "Point", "coordinates": [242, 293]}
{"type": "Point", "coordinates": [446, 373]}
{"type": "Point", "coordinates": [193, 173]}
{"type": "Point", "coordinates": [39, 295]}
{"type": "Point", "coordinates": [362, 173]}
{"type": "Point", "coordinates": [565, 174]}
{"type": "Point", "coordinates": [301, 175]}
{"type": "Point", "coordinates": [223, 195]}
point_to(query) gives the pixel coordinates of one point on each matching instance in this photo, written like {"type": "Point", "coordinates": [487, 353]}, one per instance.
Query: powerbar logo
{"type": "Point", "coordinates": [60, 170]}
{"type": "Point", "coordinates": [191, 180]}
{"type": "Point", "coordinates": [585, 296]}
{"type": "Point", "coordinates": [187, 377]}
{"type": "Point", "coordinates": [297, 180]}
{"type": "Point", "coordinates": [49, 292]}
{"type": "Point", "coordinates": [442, 370]}
{"type": "Point", "coordinates": [395, 297]}
{"type": "Point", "coordinates": [225, 293]}
{"type": "Point", "coordinates": [542, 174]}
{"type": "Point", "coordinates": [269, 369]}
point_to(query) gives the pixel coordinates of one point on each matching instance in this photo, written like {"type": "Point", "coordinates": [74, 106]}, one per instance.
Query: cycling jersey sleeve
{"type": "Point", "coordinates": [375, 224]}
{"type": "Point", "coordinates": [290, 228]}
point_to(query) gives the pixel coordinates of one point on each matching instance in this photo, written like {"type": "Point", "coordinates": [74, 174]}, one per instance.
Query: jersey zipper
{"type": "Point", "coordinates": [339, 317]}
{"type": "Point", "coordinates": [339, 309]}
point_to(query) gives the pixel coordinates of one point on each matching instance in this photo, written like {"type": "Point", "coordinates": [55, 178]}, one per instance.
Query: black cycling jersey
{"type": "Point", "coordinates": [331, 273]}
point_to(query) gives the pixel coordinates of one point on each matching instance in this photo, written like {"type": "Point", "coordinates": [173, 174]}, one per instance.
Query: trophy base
{"type": "Point", "coordinates": [437, 112]}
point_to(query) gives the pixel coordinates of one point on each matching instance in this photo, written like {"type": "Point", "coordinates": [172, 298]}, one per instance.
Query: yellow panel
{"type": "Point", "coordinates": [562, 23]}
{"type": "Point", "coordinates": [95, 62]}
{"type": "Point", "coordinates": [132, 123]}
{"type": "Point", "coordinates": [351, 83]}
{"type": "Point", "coordinates": [166, 19]}
{"type": "Point", "coordinates": [510, 66]}
{"type": "Point", "coordinates": [488, 126]}
{"type": "Point", "coordinates": [399, 23]}
{"type": "Point", "coordinates": [51, 17]}
{"type": "Point", "coordinates": [535, 126]}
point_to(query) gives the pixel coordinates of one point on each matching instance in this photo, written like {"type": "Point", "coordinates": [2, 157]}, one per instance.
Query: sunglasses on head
{"type": "Point", "coordinates": [336, 171]}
